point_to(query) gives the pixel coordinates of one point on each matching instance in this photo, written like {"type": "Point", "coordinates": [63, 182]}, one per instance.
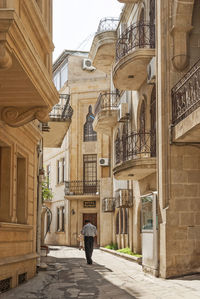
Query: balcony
{"type": "Point", "coordinates": [74, 189]}
{"type": "Point", "coordinates": [108, 204]}
{"type": "Point", "coordinates": [59, 121]}
{"type": "Point", "coordinates": [186, 107]}
{"type": "Point", "coordinates": [124, 198]}
{"type": "Point", "coordinates": [102, 51]}
{"type": "Point", "coordinates": [135, 156]}
{"type": "Point", "coordinates": [27, 90]}
{"type": "Point", "coordinates": [134, 50]}
{"type": "Point", "coordinates": [106, 112]}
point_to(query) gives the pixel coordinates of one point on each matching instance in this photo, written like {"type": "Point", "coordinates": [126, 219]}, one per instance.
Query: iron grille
{"type": "Point", "coordinates": [107, 101]}
{"type": "Point", "coordinates": [108, 204]}
{"type": "Point", "coordinates": [22, 278]}
{"type": "Point", "coordinates": [138, 35]}
{"type": "Point", "coordinates": [81, 187]}
{"type": "Point", "coordinates": [132, 145]}
{"type": "Point", "coordinates": [124, 198]}
{"type": "Point", "coordinates": [107, 24]}
{"type": "Point", "coordinates": [186, 94]}
{"type": "Point", "coordinates": [5, 285]}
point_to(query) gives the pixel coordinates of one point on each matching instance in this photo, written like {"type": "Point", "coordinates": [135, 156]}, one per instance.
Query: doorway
{"type": "Point", "coordinates": [93, 219]}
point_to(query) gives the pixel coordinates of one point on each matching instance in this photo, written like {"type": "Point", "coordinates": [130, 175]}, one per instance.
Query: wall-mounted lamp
{"type": "Point", "coordinates": [73, 212]}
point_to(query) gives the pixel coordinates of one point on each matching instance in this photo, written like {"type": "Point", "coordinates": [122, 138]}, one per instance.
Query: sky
{"type": "Point", "coordinates": [75, 22]}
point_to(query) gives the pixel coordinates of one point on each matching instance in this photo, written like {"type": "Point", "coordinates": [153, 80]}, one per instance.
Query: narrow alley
{"type": "Point", "coordinates": [68, 276]}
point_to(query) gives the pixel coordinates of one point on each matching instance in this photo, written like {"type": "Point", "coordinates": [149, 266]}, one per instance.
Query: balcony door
{"type": "Point", "coordinates": [153, 122]}
{"type": "Point", "coordinates": [90, 174]}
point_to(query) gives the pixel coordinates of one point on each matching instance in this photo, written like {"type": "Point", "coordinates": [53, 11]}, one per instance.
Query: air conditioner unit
{"type": "Point", "coordinates": [151, 71]}
{"type": "Point", "coordinates": [123, 114]}
{"type": "Point", "coordinates": [104, 161]}
{"type": "Point", "coordinates": [87, 65]}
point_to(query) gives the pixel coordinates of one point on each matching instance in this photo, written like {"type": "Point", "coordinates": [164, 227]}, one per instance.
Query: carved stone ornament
{"type": "Point", "coordinates": [5, 56]}
{"type": "Point", "coordinates": [16, 116]}
{"type": "Point", "coordinates": [182, 25]}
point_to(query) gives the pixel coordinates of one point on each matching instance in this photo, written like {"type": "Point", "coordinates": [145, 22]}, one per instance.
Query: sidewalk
{"type": "Point", "coordinates": [110, 277]}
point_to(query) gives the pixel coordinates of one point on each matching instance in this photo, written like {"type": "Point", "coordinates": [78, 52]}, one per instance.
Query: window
{"type": "Point", "coordinates": [59, 174]}
{"type": "Point", "coordinates": [117, 223]}
{"type": "Point", "coordinates": [21, 190]}
{"type": "Point", "coordinates": [58, 219]}
{"type": "Point", "coordinates": [126, 221]}
{"type": "Point", "coordinates": [90, 173]}
{"type": "Point", "coordinates": [89, 133]}
{"type": "Point", "coordinates": [5, 179]}
{"type": "Point", "coordinates": [142, 125]}
{"type": "Point", "coordinates": [62, 219]}
{"type": "Point", "coordinates": [48, 175]}
{"type": "Point", "coordinates": [48, 223]}
{"type": "Point", "coordinates": [56, 81]}
{"type": "Point", "coordinates": [153, 122]}
{"type": "Point", "coordinates": [63, 74]}
{"type": "Point", "coordinates": [63, 170]}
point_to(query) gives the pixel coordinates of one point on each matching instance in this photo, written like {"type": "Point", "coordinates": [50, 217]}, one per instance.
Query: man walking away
{"type": "Point", "coordinates": [89, 231]}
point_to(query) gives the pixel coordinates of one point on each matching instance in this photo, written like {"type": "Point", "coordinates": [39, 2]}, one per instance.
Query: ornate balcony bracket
{"type": "Point", "coordinates": [16, 117]}
{"type": "Point", "coordinates": [181, 27]}
{"type": "Point", "coordinates": [5, 56]}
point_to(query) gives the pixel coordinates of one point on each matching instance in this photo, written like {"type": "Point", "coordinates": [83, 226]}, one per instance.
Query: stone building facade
{"type": "Point", "coordinates": [76, 177]}
{"type": "Point", "coordinates": [27, 95]}
{"type": "Point", "coordinates": [151, 119]}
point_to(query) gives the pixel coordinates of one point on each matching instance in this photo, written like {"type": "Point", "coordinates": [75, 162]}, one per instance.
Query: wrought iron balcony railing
{"type": "Point", "coordinates": [108, 204]}
{"type": "Point", "coordinates": [107, 101]}
{"type": "Point", "coordinates": [186, 94]}
{"type": "Point", "coordinates": [138, 35]}
{"type": "Point", "coordinates": [135, 144]}
{"type": "Point", "coordinates": [81, 187]}
{"type": "Point", "coordinates": [107, 24]}
{"type": "Point", "coordinates": [124, 198]}
{"type": "Point", "coordinates": [62, 111]}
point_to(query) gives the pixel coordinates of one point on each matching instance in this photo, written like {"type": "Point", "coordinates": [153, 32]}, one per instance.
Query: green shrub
{"type": "Point", "coordinates": [112, 246]}
{"type": "Point", "coordinates": [127, 250]}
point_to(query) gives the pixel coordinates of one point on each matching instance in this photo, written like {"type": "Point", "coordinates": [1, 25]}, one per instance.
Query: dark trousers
{"type": "Point", "coordinates": [89, 241]}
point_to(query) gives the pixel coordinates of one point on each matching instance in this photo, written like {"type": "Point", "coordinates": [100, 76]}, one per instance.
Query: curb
{"type": "Point", "coordinates": [131, 258]}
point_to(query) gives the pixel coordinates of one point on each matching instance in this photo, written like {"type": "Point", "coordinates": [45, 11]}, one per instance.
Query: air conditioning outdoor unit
{"type": "Point", "coordinates": [87, 65]}
{"type": "Point", "coordinates": [123, 114]}
{"type": "Point", "coordinates": [104, 161]}
{"type": "Point", "coordinates": [151, 71]}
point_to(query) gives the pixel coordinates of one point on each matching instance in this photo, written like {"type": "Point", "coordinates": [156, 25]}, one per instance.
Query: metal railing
{"type": "Point", "coordinates": [107, 24]}
{"type": "Point", "coordinates": [186, 94]}
{"type": "Point", "coordinates": [133, 145]}
{"type": "Point", "coordinates": [124, 198]}
{"type": "Point", "coordinates": [108, 204]}
{"type": "Point", "coordinates": [62, 111]}
{"type": "Point", "coordinates": [107, 101]}
{"type": "Point", "coordinates": [138, 35]}
{"type": "Point", "coordinates": [82, 187]}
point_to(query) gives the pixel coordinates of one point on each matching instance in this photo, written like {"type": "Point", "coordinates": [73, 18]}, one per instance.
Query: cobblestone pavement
{"type": "Point", "coordinates": [68, 276]}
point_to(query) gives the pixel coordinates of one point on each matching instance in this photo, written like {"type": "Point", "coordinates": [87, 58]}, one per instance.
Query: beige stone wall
{"type": "Point", "coordinates": [17, 229]}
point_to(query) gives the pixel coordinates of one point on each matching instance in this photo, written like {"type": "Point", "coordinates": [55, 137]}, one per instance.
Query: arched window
{"type": "Point", "coordinates": [152, 23]}
{"type": "Point", "coordinates": [117, 147]}
{"type": "Point", "coordinates": [153, 122]}
{"type": "Point", "coordinates": [126, 221]}
{"type": "Point", "coordinates": [124, 141]}
{"type": "Point", "coordinates": [141, 29]}
{"type": "Point", "coordinates": [142, 125]}
{"type": "Point", "coordinates": [117, 223]}
{"type": "Point", "coordinates": [89, 133]}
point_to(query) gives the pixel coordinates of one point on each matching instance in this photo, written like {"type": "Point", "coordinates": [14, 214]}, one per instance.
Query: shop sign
{"type": "Point", "coordinates": [89, 204]}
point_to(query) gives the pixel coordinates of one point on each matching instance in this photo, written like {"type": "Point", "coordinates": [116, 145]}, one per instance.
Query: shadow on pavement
{"type": "Point", "coordinates": [70, 278]}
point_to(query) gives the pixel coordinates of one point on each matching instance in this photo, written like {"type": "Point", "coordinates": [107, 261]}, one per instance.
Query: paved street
{"type": "Point", "coordinates": [68, 276]}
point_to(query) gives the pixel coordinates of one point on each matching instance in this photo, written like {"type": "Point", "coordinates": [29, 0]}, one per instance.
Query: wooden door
{"type": "Point", "coordinates": [93, 219]}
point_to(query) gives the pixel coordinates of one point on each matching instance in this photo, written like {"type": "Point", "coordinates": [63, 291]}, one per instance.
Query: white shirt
{"type": "Point", "coordinates": [89, 230]}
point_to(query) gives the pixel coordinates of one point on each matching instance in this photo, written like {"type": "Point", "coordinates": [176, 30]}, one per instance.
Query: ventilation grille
{"type": "Point", "coordinates": [5, 285]}
{"type": "Point", "coordinates": [22, 278]}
